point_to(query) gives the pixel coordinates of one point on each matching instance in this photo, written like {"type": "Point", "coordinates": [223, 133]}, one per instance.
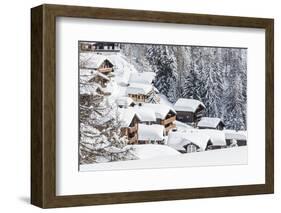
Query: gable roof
{"type": "Point", "coordinates": [86, 75]}
{"type": "Point", "coordinates": [92, 61]}
{"type": "Point", "coordinates": [209, 122]}
{"type": "Point", "coordinates": [217, 136]}
{"type": "Point", "coordinates": [142, 77]}
{"type": "Point", "coordinates": [138, 89]}
{"type": "Point", "coordinates": [146, 115]}
{"type": "Point", "coordinates": [187, 105]}
{"type": "Point", "coordinates": [150, 132]}
{"type": "Point", "coordinates": [126, 116]}
{"type": "Point", "coordinates": [160, 110]}
{"type": "Point", "coordinates": [237, 135]}
{"type": "Point", "coordinates": [178, 140]}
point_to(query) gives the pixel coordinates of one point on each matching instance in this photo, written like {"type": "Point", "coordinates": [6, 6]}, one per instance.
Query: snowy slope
{"type": "Point", "coordinates": [147, 151]}
{"type": "Point", "coordinates": [231, 156]}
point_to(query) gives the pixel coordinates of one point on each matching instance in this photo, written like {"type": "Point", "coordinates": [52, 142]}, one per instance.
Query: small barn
{"type": "Point", "coordinates": [129, 124]}
{"type": "Point", "coordinates": [150, 134]}
{"type": "Point", "coordinates": [210, 123]}
{"type": "Point", "coordinates": [235, 138]}
{"type": "Point", "coordinates": [217, 137]}
{"type": "Point", "coordinates": [187, 142]}
{"type": "Point", "coordinates": [189, 110]}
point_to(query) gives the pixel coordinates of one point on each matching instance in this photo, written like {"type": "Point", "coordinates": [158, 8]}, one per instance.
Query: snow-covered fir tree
{"type": "Point", "coordinates": [163, 65]}
{"type": "Point", "coordinates": [216, 76]}
{"type": "Point", "coordinates": [101, 139]}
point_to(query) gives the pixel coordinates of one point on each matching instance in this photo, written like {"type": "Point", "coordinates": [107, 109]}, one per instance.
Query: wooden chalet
{"type": "Point", "coordinates": [96, 62]}
{"type": "Point", "coordinates": [129, 125]}
{"type": "Point", "coordinates": [140, 92]}
{"type": "Point", "coordinates": [165, 115]}
{"type": "Point", "coordinates": [105, 67]}
{"type": "Point", "coordinates": [100, 79]}
{"type": "Point", "coordinates": [189, 110]}
{"type": "Point", "coordinates": [210, 123]}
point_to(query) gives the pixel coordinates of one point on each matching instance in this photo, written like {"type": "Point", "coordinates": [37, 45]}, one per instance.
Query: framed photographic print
{"type": "Point", "coordinates": [137, 106]}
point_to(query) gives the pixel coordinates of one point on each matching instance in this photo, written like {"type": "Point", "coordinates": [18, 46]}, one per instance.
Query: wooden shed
{"type": "Point", "coordinates": [210, 123]}
{"type": "Point", "coordinates": [189, 110]}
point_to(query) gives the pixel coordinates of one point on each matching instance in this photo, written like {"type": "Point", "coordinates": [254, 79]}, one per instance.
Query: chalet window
{"type": "Point", "coordinates": [191, 148]}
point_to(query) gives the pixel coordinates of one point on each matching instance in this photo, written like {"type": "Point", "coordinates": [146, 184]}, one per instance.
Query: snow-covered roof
{"type": "Point", "coordinates": [126, 116]}
{"type": "Point", "coordinates": [160, 110]}
{"type": "Point", "coordinates": [152, 132]}
{"type": "Point", "coordinates": [124, 101]}
{"type": "Point", "coordinates": [148, 151]}
{"type": "Point", "coordinates": [237, 135]}
{"type": "Point", "coordinates": [187, 105]}
{"type": "Point", "coordinates": [139, 89]}
{"type": "Point", "coordinates": [217, 136]}
{"type": "Point", "coordinates": [142, 77]}
{"type": "Point", "coordinates": [88, 74]}
{"type": "Point", "coordinates": [178, 140]}
{"type": "Point", "coordinates": [92, 61]}
{"type": "Point", "coordinates": [182, 126]}
{"type": "Point", "coordinates": [146, 115]}
{"type": "Point", "coordinates": [209, 122]}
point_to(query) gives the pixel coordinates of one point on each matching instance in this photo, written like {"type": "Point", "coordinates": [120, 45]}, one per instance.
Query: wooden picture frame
{"type": "Point", "coordinates": [43, 105]}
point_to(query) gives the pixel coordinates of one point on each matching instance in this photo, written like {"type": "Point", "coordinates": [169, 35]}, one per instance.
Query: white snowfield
{"type": "Point", "coordinates": [209, 122]}
{"type": "Point", "coordinates": [187, 105]}
{"type": "Point", "coordinates": [229, 156]}
{"type": "Point", "coordinates": [147, 151]}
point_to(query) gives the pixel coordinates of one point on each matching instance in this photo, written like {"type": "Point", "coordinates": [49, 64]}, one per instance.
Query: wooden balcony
{"type": "Point", "coordinates": [168, 120]}
{"type": "Point", "coordinates": [105, 70]}
{"type": "Point", "coordinates": [133, 129]}
{"type": "Point", "coordinates": [168, 128]}
{"type": "Point", "coordinates": [133, 140]}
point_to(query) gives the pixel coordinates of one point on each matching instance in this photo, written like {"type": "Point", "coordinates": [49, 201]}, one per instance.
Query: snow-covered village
{"type": "Point", "coordinates": [161, 105]}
